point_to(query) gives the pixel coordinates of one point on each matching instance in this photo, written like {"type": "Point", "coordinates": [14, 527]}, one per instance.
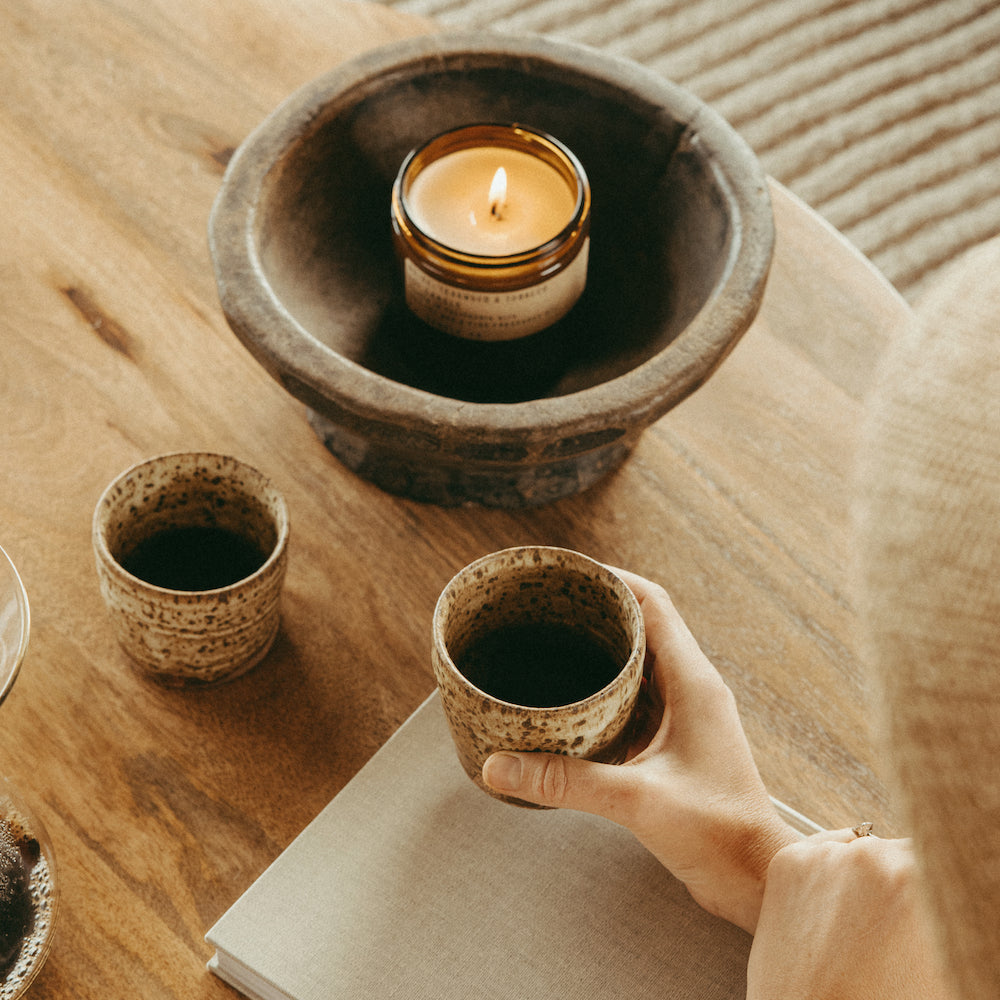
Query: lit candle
{"type": "Point", "coordinates": [490, 201]}
{"type": "Point", "coordinates": [492, 225]}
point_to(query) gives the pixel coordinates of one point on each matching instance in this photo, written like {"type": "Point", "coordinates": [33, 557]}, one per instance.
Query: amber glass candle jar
{"type": "Point", "coordinates": [492, 225]}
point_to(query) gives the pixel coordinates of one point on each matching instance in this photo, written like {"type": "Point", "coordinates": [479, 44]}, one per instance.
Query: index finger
{"type": "Point", "coordinates": [675, 651]}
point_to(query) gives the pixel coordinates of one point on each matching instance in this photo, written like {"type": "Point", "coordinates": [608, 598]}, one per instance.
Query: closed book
{"type": "Point", "coordinates": [412, 883]}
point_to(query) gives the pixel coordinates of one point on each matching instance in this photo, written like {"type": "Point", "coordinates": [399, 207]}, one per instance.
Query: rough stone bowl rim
{"type": "Point", "coordinates": [634, 399]}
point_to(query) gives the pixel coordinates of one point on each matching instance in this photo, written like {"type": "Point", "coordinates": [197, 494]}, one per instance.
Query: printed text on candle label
{"type": "Point", "coordinates": [497, 315]}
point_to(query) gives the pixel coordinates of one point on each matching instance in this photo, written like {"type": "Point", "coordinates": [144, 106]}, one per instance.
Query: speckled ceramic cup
{"type": "Point", "coordinates": [518, 598]}
{"type": "Point", "coordinates": [191, 553]}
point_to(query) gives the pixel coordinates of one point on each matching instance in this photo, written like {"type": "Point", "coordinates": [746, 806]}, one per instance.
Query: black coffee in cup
{"type": "Point", "coordinates": [193, 558]}
{"type": "Point", "coordinates": [540, 664]}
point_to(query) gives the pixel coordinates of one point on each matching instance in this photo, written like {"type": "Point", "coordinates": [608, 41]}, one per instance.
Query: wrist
{"type": "Point", "coordinates": [738, 891]}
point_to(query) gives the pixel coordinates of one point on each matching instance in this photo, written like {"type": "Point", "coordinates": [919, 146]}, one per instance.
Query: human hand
{"type": "Point", "coordinates": [842, 916]}
{"type": "Point", "coordinates": [690, 792]}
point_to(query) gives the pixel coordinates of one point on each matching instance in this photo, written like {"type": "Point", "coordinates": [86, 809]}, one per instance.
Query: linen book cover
{"type": "Point", "coordinates": [413, 884]}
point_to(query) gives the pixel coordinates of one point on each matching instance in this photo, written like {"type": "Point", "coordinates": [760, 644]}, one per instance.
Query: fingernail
{"type": "Point", "coordinates": [503, 772]}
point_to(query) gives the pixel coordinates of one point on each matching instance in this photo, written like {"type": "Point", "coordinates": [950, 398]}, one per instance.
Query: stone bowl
{"type": "Point", "coordinates": [681, 242]}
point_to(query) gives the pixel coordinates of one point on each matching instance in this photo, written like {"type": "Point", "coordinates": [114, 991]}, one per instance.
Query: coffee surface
{"type": "Point", "coordinates": [194, 558]}
{"type": "Point", "coordinates": [539, 665]}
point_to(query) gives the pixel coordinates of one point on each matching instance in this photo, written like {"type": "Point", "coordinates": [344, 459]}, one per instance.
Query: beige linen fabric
{"type": "Point", "coordinates": [928, 559]}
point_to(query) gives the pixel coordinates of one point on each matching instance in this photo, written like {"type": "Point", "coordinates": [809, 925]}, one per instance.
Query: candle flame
{"type": "Point", "coordinates": [498, 193]}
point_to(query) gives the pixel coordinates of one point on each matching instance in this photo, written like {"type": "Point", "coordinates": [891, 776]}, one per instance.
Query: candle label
{"type": "Point", "coordinates": [495, 315]}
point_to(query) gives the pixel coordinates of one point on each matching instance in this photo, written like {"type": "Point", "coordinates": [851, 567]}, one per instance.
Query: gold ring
{"type": "Point", "coordinates": [862, 830]}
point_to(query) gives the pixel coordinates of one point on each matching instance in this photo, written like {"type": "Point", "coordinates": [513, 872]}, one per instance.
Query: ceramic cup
{"type": "Point", "coordinates": [191, 553]}
{"type": "Point", "coordinates": [538, 648]}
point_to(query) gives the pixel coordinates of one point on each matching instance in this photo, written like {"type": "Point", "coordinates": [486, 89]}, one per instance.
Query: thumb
{"type": "Point", "coordinates": [559, 782]}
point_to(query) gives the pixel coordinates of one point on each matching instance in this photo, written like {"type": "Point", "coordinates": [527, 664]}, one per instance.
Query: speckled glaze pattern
{"type": "Point", "coordinates": [192, 637]}
{"type": "Point", "coordinates": [537, 584]}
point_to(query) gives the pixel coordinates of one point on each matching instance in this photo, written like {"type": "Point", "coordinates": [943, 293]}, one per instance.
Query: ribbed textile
{"type": "Point", "coordinates": [883, 115]}
{"type": "Point", "coordinates": [927, 523]}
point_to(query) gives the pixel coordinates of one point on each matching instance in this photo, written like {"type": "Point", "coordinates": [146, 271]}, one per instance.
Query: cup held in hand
{"type": "Point", "coordinates": [538, 648]}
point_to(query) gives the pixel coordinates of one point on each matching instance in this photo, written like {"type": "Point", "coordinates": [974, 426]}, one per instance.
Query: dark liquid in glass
{"type": "Point", "coordinates": [26, 894]}
{"type": "Point", "coordinates": [18, 855]}
{"type": "Point", "coordinates": [194, 558]}
{"type": "Point", "coordinates": [539, 665]}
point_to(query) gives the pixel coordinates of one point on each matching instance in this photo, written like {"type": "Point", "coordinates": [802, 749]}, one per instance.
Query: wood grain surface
{"type": "Point", "coordinates": [116, 124]}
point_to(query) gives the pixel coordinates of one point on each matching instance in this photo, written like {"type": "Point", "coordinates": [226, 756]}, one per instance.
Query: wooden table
{"type": "Point", "coordinates": [117, 120]}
